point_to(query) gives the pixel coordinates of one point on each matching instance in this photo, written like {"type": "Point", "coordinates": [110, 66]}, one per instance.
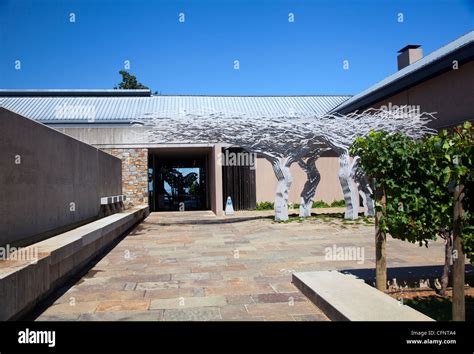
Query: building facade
{"type": "Point", "coordinates": [176, 176]}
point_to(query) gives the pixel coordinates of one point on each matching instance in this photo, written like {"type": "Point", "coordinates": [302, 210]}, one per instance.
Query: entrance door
{"type": "Point", "coordinates": [179, 184]}
{"type": "Point", "coordinates": [238, 182]}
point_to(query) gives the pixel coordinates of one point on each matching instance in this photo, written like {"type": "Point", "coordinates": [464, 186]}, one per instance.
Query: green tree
{"type": "Point", "coordinates": [129, 82]}
{"type": "Point", "coordinates": [468, 227]}
{"type": "Point", "coordinates": [459, 150]}
{"type": "Point", "coordinates": [419, 188]}
{"type": "Point", "coordinates": [387, 158]}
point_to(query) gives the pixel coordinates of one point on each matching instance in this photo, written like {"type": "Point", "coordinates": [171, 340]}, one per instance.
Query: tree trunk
{"type": "Point", "coordinates": [364, 187]}
{"type": "Point", "coordinates": [380, 244]}
{"type": "Point", "coordinates": [459, 310]}
{"type": "Point", "coordinates": [283, 175]}
{"type": "Point", "coordinates": [351, 196]}
{"type": "Point", "coordinates": [360, 178]}
{"type": "Point", "coordinates": [305, 207]}
{"type": "Point", "coordinates": [309, 189]}
{"type": "Point", "coordinates": [448, 252]}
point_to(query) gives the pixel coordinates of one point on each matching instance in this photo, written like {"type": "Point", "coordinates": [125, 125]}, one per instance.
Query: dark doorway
{"type": "Point", "coordinates": [177, 183]}
{"type": "Point", "coordinates": [238, 182]}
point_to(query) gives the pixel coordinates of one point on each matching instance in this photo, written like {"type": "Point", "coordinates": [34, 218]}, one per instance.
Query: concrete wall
{"type": "Point", "coordinates": [215, 172]}
{"type": "Point", "coordinates": [49, 182]}
{"type": "Point", "coordinates": [109, 137]}
{"type": "Point", "coordinates": [329, 188]}
{"type": "Point", "coordinates": [449, 94]}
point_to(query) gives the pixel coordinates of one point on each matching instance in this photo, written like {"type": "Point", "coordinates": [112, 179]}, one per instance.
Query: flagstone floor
{"type": "Point", "coordinates": [196, 266]}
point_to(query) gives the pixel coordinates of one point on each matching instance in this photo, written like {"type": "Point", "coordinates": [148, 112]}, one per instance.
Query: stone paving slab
{"type": "Point", "coordinates": [194, 314]}
{"type": "Point", "coordinates": [123, 305]}
{"type": "Point", "coordinates": [86, 296]}
{"type": "Point", "coordinates": [194, 266]}
{"type": "Point", "coordinates": [123, 316]}
{"type": "Point", "coordinates": [188, 302]}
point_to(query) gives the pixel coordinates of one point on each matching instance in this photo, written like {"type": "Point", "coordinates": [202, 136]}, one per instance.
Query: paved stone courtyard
{"type": "Point", "coordinates": [196, 266]}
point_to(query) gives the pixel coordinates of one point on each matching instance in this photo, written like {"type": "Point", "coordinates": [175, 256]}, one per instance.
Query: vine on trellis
{"type": "Point", "coordinates": [417, 178]}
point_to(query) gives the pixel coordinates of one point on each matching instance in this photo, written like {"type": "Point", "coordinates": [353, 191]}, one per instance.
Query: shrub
{"type": "Point", "coordinates": [320, 204]}
{"type": "Point", "coordinates": [265, 206]}
{"type": "Point", "coordinates": [338, 204]}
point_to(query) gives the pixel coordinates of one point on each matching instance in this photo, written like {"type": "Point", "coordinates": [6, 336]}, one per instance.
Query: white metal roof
{"type": "Point", "coordinates": [80, 109]}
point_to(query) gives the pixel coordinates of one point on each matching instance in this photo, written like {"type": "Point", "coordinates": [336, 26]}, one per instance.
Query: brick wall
{"type": "Point", "coordinates": [134, 174]}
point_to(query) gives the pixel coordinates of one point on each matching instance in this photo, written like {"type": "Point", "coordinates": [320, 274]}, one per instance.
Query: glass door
{"type": "Point", "coordinates": [180, 185]}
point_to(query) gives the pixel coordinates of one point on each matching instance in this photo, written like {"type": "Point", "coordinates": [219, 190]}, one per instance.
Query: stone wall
{"type": "Point", "coordinates": [134, 174]}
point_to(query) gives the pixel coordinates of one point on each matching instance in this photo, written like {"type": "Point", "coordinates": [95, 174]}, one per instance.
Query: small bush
{"type": "Point", "coordinates": [265, 206]}
{"type": "Point", "coordinates": [316, 204]}
{"type": "Point", "coordinates": [320, 204]}
{"type": "Point", "coordinates": [338, 204]}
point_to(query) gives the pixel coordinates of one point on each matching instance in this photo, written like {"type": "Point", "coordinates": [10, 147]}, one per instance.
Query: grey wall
{"type": "Point", "coordinates": [55, 171]}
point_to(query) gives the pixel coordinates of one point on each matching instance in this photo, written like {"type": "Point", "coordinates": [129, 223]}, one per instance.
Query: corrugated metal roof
{"type": "Point", "coordinates": [126, 109]}
{"type": "Point", "coordinates": [410, 69]}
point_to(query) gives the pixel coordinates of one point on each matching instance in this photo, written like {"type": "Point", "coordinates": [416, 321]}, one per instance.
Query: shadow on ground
{"type": "Point", "coordinates": [409, 276]}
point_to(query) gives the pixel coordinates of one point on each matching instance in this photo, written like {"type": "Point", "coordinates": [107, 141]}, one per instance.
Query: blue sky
{"type": "Point", "coordinates": [276, 57]}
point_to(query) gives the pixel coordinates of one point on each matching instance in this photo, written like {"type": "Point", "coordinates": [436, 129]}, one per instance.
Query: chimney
{"type": "Point", "coordinates": [408, 55]}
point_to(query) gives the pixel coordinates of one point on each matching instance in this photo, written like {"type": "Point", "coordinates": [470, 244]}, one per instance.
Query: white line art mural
{"type": "Point", "coordinates": [296, 138]}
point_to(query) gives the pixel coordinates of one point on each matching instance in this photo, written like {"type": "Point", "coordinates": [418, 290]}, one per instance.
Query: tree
{"type": "Point", "coordinates": [459, 152]}
{"type": "Point", "coordinates": [468, 206]}
{"type": "Point", "coordinates": [338, 132]}
{"type": "Point", "coordinates": [129, 82]}
{"type": "Point", "coordinates": [414, 183]}
{"type": "Point", "coordinates": [411, 182]}
{"type": "Point", "coordinates": [313, 177]}
{"type": "Point", "coordinates": [284, 140]}
{"type": "Point", "coordinates": [383, 156]}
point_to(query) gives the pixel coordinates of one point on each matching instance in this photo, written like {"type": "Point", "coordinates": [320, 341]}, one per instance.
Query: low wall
{"type": "Point", "coordinates": [49, 182]}
{"type": "Point", "coordinates": [24, 283]}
